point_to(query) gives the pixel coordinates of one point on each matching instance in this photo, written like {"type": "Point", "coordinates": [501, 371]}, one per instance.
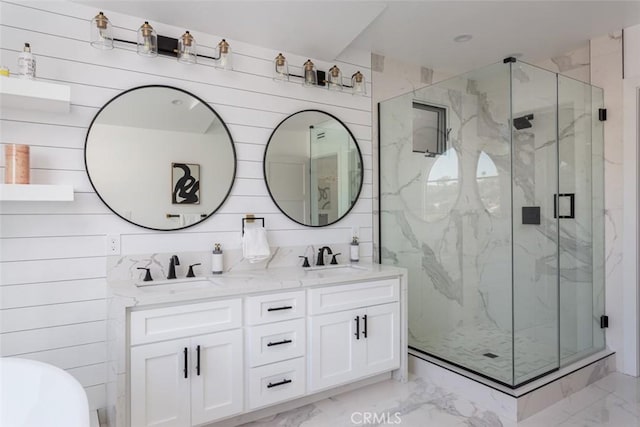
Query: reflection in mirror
{"type": "Point", "coordinates": [160, 157]}
{"type": "Point", "coordinates": [313, 168]}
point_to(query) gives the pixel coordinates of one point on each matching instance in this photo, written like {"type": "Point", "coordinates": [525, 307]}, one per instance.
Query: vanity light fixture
{"type": "Point", "coordinates": [312, 77]}
{"type": "Point", "coordinates": [280, 68]}
{"type": "Point", "coordinates": [309, 74]}
{"type": "Point", "coordinates": [335, 78]}
{"type": "Point", "coordinates": [187, 53]}
{"type": "Point", "coordinates": [101, 33]}
{"type": "Point", "coordinates": [224, 56]}
{"type": "Point", "coordinates": [149, 43]}
{"type": "Point", "coordinates": [147, 40]}
{"type": "Point", "coordinates": [358, 84]}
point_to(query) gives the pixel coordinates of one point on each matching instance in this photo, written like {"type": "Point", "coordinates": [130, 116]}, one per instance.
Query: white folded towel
{"type": "Point", "coordinates": [255, 246]}
{"type": "Point", "coordinates": [188, 219]}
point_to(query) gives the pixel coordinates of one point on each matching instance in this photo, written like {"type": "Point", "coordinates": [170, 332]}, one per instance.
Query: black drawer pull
{"type": "Point", "coordinates": [364, 331]}
{"type": "Point", "coordinates": [198, 360]}
{"type": "Point", "coordinates": [286, 307]}
{"type": "Point", "coordinates": [357, 320]}
{"type": "Point", "coordinates": [186, 368]}
{"type": "Point", "coordinates": [270, 344]}
{"type": "Point", "coordinates": [283, 382]}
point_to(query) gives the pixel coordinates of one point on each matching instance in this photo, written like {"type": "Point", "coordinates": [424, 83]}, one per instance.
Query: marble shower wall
{"type": "Point", "coordinates": [448, 220]}
{"type": "Point", "coordinates": [452, 235]}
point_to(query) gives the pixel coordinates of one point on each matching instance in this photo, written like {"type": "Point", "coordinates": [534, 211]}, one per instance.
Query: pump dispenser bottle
{"type": "Point", "coordinates": [354, 253]}
{"type": "Point", "coordinates": [217, 261]}
{"type": "Point", "coordinates": [26, 63]}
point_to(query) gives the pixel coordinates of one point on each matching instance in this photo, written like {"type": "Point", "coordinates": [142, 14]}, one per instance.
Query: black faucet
{"type": "Point", "coordinates": [172, 266]}
{"type": "Point", "coordinates": [320, 260]}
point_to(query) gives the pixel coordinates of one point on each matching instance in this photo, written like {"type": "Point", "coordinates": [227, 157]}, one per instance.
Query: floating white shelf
{"type": "Point", "coordinates": [36, 193]}
{"type": "Point", "coordinates": [27, 94]}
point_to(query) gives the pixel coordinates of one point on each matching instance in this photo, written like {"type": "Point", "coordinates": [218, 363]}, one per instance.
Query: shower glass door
{"type": "Point", "coordinates": [581, 219]}
{"type": "Point", "coordinates": [535, 224]}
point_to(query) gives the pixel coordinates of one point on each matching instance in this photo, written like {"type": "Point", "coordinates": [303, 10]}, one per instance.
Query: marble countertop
{"type": "Point", "coordinates": [241, 283]}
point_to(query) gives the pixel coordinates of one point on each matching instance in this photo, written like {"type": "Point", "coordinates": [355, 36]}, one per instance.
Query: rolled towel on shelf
{"type": "Point", "coordinates": [255, 246]}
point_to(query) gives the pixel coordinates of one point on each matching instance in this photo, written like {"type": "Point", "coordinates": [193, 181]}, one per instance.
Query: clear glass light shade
{"type": "Point", "coordinates": [147, 40]}
{"type": "Point", "coordinates": [101, 33]}
{"type": "Point", "coordinates": [225, 56]}
{"type": "Point", "coordinates": [309, 74]}
{"type": "Point", "coordinates": [280, 68]}
{"type": "Point", "coordinates": [358, 84]}
{"type": "Point", "coordinates": [187, 53]}
{"type": "Point", "coordinates": [334, 81]}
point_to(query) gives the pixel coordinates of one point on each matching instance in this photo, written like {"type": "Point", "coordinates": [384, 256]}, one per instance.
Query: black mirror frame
{"type": "Point", "coordinates": [233, 149]}
{"type": "Point", "coordinates": [355, 141]}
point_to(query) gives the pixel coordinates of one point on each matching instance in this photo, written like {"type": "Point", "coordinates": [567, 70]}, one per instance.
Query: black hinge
{"type": "Point", "coordinates": [604, 322]}
{"type": "Point", "coordinates": [602, 114]}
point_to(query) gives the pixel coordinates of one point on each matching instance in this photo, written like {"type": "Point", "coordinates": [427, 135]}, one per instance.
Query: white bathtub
{"type": "Point", "coordinates": [37, 394]}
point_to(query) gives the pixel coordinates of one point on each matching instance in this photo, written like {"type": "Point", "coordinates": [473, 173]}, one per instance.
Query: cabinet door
{"type": "Point", "coordinates": [217, 390]}
{"type": "Point", "coordinates": [382, 330]}
{"type": "Point", "coordinates": [334, 349]}
{"type": "Point", "coordinates": [159, 389]}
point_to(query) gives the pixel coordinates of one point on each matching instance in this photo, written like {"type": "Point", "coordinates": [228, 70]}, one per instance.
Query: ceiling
{"type": "Point", "coordinates": [419, 32]}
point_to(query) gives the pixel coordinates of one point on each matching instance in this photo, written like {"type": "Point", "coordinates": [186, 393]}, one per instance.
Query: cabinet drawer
{"type": "Point", "coordinates": [274, 307]}
{"type": "Point", "coordinates": [184, 320]}
{"type": "Point", "coordinates": [344, 297]}
{"type": "Point", "coordinates": [275, 342]}
{"type": "Point", "coordinates": [276, 382]}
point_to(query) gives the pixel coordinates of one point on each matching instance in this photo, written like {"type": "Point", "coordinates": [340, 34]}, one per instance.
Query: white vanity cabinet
{"type": "Point", "coordinates": [191, 380]}
{"type": "Point", "coordinates": [359, 335]}
{"type": "Point", "coordinates": [228, 359]}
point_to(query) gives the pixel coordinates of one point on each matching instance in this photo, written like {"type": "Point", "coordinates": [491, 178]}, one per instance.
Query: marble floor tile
{"type": "Point", "coordinates": [611, 401]}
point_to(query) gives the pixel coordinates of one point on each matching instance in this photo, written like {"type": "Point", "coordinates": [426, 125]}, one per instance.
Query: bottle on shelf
{"type": "Point", "coordinates": [26, 63]}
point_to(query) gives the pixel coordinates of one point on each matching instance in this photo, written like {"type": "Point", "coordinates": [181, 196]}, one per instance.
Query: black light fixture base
{"type": "Point", "coordinates": [167, 46]}
{"type": "Point", "coordinates": [509, 59]}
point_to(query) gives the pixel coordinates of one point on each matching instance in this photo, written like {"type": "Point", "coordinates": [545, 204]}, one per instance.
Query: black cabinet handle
{"type": "Point", "coordinates": [286, 307]}
{"type": "Point", "coordinates": [357, 334]}
{"type": "Point", "coordinates": [283, 382]}
{"type": "Point", "coordinates": [198, 360]}
{"type": "Point", "coordinates": [270, 344]}
{"type": "Point", "coordinates": [186, 372]}
{"type": "Point", "coordinates": [364, 331]}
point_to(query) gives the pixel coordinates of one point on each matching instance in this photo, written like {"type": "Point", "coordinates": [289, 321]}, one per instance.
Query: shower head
{"type": "Point", "coordinates": [523, 122]}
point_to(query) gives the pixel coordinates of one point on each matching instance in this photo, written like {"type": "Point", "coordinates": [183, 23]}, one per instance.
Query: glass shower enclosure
{"type": "Point", "coordinates": [492, 196]}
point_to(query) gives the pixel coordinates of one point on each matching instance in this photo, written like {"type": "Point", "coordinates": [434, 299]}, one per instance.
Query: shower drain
{"type": "Point", "coordinates": [490, 355]}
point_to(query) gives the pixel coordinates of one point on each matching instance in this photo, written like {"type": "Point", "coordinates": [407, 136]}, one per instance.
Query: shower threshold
{"type": "Point", "coordinates": [515, 403]}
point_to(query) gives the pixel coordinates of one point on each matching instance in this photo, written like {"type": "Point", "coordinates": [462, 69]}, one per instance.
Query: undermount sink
{"type": "Point", "coordinates": [336, 270]}
{"type": "Point", "coordinates": [187, 284]}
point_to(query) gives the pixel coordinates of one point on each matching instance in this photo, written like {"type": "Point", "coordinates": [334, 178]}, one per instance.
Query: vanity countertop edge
{"type": "Point", "coordinates": [243, 283]}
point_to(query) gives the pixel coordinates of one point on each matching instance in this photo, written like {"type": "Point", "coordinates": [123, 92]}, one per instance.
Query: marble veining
{"type": "Point", "coordinates": [454, 221]}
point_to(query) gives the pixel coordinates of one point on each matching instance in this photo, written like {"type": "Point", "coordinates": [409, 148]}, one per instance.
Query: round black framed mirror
{"type": "Point", "coordinates": [313, 168]}
{"type": "Point", "coordinates": [160, 157]}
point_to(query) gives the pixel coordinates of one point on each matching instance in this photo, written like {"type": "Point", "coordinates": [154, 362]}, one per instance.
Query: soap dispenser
{"type": "Point", "coordinates": [217, 263]}
{"type": "Point", "coordinates": [354, 253]}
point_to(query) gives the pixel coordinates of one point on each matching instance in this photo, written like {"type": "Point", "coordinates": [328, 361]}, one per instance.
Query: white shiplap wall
{"type": "Point", "coordinates": [53, 288]}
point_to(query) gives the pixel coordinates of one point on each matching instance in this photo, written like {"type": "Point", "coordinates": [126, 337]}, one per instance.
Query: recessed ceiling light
{"type": "Point", "coordinates": [462, 38]}
{"type": "Point", "coordinates": [177, 102]}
